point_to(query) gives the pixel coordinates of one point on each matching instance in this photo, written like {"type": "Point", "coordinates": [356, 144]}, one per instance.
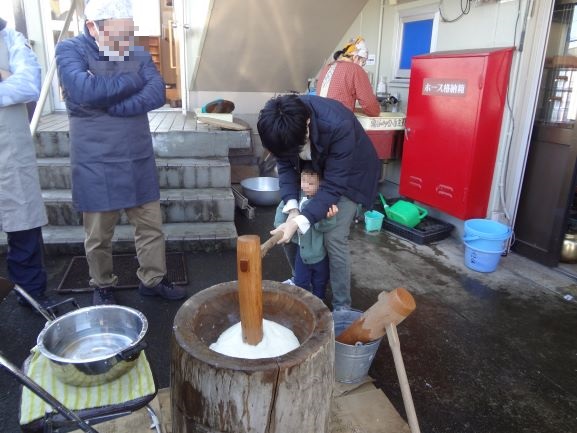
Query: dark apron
{"type": "Point", "coordinates": [113, 165]}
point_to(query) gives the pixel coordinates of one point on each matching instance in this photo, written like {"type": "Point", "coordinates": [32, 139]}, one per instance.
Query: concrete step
{"type": "Point", "coordinates": [199, 144]}
{"type": "Point", "coordinates": [190, 237]}
{"type": "Point", "coordinates": [178, 206]}
{"type": "Point", "coordinates": [202, 143]}
{"type": "Point", "coordinates": [172, 172]}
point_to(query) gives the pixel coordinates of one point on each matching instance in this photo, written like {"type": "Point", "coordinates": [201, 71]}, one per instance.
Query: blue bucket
{"type": "Point", "coordinates": [373, 221]}
{"type": "Point", "coordinates": [480, 260]}
{"type": "Point", "coordinates": [486, 235]}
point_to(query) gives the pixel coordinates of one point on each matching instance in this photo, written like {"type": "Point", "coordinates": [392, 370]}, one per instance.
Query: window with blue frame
{"type": "Point", "coordinates": [416, 40]}
{"type": "Point", "coordinates": [417, 33]}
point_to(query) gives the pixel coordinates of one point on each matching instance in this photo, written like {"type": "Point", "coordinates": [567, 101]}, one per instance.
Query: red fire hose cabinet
{"type": "Point", "coordinates": [454, 115]}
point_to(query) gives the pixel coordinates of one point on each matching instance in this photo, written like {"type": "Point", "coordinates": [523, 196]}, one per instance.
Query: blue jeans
{"type": "Point", "coordinates": [315, 276]}
{"type": "Point", "coordinates": [25, 260]}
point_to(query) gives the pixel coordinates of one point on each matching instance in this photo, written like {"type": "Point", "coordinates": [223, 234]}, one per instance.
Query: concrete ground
{"type": "Point", "coordinates": [484, 353]}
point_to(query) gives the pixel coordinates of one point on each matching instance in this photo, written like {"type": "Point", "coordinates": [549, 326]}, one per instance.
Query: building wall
{"type": "Point", "coordinates": [497, 21]}
{"type": "Point", "coordinates": [496, 24]}
{"type": "Point", "coordinates": [378, 23]}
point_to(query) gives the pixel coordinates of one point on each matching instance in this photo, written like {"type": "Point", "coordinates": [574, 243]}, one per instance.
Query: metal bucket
{"type": "Point", "coordinates": [352, 363]}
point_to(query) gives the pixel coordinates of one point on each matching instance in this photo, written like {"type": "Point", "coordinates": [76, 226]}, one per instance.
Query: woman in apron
{"type": "Point", "coordinates": [346, 81]}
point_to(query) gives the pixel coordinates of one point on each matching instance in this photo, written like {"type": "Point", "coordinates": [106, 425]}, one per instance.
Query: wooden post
{"type": "Point", "coordinates": [249, 269]}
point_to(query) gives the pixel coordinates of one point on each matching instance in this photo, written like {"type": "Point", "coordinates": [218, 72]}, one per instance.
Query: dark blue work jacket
{"type": "Point", "coordinates": [112, 157]}
{"type": "Point", "coordinates": [341, 151]}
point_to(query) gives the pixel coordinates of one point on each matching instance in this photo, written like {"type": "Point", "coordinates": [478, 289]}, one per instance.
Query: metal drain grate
{"type": "Point", "coordinates": [76, 277]}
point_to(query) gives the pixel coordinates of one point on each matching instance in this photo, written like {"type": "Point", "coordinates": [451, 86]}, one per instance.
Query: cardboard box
{"type": "Point", "coordinates": [359, 408]}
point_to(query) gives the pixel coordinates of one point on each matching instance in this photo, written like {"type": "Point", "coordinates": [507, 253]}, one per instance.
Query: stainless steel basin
{"type": "Point", "coordinates": [385, 122]}
{"type": "Point", "coordinates": [93, 345]}
{"type": "Point", "coordinates": [261, 191]}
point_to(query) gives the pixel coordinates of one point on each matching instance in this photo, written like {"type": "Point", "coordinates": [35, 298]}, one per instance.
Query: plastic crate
{"type": "Point", "coordinates": [429, 230]}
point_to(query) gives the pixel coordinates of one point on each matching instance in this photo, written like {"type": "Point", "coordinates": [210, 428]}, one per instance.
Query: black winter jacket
{"type": "Point", "coordinates": [341, 151]}
{"type": "Point", "coordinates": [111, 153]}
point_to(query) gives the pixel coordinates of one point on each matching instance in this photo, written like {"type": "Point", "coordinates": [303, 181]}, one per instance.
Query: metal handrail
{"type": "Point", "coordinates": [50, 73]}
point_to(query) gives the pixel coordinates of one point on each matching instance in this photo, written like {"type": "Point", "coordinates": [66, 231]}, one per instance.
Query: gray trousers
{"type": "Point", "coordinates": [148, 240]}
{"type": "Point", "coordinates": [337, 245]}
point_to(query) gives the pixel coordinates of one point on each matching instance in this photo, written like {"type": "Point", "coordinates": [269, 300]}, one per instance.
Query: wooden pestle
{"type": "Point", "coordinates": [395, 346]}
{"type": "Point", "coordinates": [249, 255]}
{"type": "Point", "coordinates": [271, 242]}
{"type": "Point", "coordinates": [249, 270]}
{"type": "Point", "coordinates": [383, 317]}
{"type": "Point", "coordinates": [391, 307]}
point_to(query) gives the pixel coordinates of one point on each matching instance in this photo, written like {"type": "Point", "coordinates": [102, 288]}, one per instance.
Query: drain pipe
{"type": "Point", "coordinates": [379, 43]}
{"type": "Point", "coordinates": [384, 171]}
{"type": "Point", "coordinates": [503, 160]}
{"type": "Point", "coordinates": [385, 164]}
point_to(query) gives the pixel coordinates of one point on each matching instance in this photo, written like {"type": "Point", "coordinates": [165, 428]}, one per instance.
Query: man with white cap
{"type": "Point", "coordinates": [109, 86]}
{"type": "Point", "coordinates": [346, 81]}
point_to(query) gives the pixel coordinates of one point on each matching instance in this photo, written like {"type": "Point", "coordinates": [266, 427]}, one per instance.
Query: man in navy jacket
{"type": "Point", "coordinates": [109, 87]}
{"type": "Point", "coordinates": [295, 128]}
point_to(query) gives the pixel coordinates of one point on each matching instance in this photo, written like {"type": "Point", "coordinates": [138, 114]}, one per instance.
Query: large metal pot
{"type": "Point", "coordinates": [94, 345]}
{"type": "Point", "coordinates": [261, 191]}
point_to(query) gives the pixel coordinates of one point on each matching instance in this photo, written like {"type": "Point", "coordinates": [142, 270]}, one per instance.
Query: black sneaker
{"type": "Point", "coordinates": [164, 289]}
{"type": "Point", "coordinates": [103, 296]}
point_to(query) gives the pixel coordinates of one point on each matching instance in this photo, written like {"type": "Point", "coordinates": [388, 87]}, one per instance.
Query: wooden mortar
{"type": "Point", "coordinates": [211, 392]}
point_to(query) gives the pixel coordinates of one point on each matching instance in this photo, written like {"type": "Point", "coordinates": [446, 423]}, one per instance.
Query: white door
{"type": "Point", "coordinates": [53, 17]}
{"type": "Point", "coordinates": [148, 19]}
{"type": "Point", "coordinates": [180, 28]}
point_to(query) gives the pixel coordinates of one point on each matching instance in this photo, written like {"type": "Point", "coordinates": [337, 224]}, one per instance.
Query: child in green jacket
{"type": "Point", "coordinates": [311, 262]}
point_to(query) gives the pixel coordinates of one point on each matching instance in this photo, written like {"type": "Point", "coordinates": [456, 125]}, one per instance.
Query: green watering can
{"type": "Point", "coordinates": [404, 212]}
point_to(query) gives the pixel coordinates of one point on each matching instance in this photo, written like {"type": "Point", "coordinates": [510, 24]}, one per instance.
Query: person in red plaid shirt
{"type": "Point", "coordinates": [345, 80]}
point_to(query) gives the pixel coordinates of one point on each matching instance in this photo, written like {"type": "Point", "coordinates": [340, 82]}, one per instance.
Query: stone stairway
{"type": "Point", "coordinates": [195, 180]}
